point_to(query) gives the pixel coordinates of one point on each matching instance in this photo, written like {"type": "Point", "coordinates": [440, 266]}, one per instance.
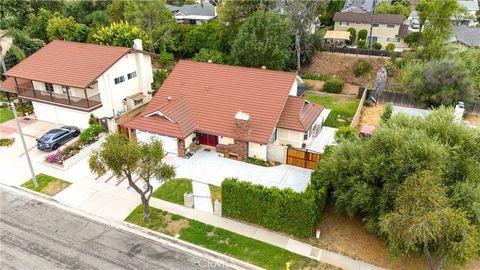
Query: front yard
{"type": "Point", "coordinates": [47, 184]}
{"type": "Point", "coordinates": [173, 190]}
{"type": "Point", "coordinates": [343, 109]}
{"type": "Point", "coordinates": [5, 115]}
{"type": "Point", "coordinates": [223, 241]}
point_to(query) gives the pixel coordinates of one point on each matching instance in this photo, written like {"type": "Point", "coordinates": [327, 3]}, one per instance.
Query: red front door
{"type": "Point", "coordinates": [208, 139]}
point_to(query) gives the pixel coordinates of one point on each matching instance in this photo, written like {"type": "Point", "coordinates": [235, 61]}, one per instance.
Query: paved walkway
{"type": "Point", "coordinates": [202, 200]}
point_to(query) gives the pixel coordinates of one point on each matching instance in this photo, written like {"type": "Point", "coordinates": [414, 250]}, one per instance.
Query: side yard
{"type": "Point", "coordinates": [343, 109]}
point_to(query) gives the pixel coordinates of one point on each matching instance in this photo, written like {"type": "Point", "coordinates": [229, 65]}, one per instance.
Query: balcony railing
{"type": "Point", "coordinates": [67, 100]}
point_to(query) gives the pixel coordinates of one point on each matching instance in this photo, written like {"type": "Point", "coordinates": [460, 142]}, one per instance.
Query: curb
{"type": "Point", "coordinates": [217, 258]}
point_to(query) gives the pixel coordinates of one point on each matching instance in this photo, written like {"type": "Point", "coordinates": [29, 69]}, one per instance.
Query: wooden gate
{"type": "Point", "coordinates": [302, 158]}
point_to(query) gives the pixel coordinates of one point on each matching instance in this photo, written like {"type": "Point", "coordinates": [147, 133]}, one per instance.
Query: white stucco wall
{"type": "Point", "coordinates": [292, 137]}
{"type": "Point", "coordinates": [225, 140]}
{"type": "Point", "coordinates": [189, 139]}
{"type": "Point", "coordinates": [60, 115]}
{"type": "Point", "coordinates": [293, 90]}
{"type": "Point", "coordinates": [382, 32]}
{"type": "Point", "coordinates": [257, 150]}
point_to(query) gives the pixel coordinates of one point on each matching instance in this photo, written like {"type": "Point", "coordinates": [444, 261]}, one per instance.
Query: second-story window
{"type": "Point", "coordinates": [132, 75]}
{"type": "Point", "coordinates": [343, 23]}
{"type": "Point", "coordinates": [119, 79]}
{"type": "Point", "coordinates": [390, 25]}
{"type": "Point", "coordinates": [49, 87]}
{"type": "Point", "coordinates": [375, 25]}
{"type": "Point", "coordinates": [66, 90]}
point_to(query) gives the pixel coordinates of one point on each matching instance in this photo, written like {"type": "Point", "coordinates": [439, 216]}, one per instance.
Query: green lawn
{"type": "Point", "coordinates": [220, 240]}
{"type": "Point", "coordinates": [47, 184]}
{"type": "Point", "coordinates": [343, 109]}
{"type": "Point", "coordinates": [215, 193]}
{"type": "Point", "coordinates": [173, 190]}
{"type": "Point", "coordinates": [5, 115]}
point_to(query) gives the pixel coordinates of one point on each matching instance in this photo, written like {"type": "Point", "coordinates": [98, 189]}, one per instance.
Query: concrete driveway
{"type": "Point", "coordinates": [208, 167]}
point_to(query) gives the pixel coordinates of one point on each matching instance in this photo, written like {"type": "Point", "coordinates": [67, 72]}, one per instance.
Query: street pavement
{"type": "Point", "coordinates": [34, 235]}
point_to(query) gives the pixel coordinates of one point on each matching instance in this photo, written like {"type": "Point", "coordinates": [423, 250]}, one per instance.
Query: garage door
{"type": "Point", "coordinates": [169, 143]}
{"type": "Point", "coordinates": [62, 116]}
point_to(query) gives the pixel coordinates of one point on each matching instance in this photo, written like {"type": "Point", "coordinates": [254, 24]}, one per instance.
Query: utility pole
{"type": "Point", "coordinates": [34, 178]}
{"type": "Point", "coordinates": [374, 6]}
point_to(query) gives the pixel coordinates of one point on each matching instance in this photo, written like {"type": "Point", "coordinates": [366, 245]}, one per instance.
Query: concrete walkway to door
{"type": "Point", "coordinates": [208, 167]}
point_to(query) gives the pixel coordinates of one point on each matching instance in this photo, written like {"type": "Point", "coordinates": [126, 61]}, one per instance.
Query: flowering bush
{"type": "Point", "coordinates": [55, 157]}
{"type": "Point", "coordinates": [90, 134]}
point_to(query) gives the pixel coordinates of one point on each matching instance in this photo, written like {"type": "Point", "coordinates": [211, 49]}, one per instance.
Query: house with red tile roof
{"type": "Point", "coordinates": [68, 81]}
{"type": "Point", "coordinates": [241, 112]}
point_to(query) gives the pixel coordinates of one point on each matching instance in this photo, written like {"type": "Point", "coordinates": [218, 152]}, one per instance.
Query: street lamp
{"type": "Point", "coordinates": [12, 105]}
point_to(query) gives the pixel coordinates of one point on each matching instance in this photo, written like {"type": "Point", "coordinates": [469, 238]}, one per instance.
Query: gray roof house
{"type": "Point", "coordinates": [193, 14]}
{"type": "Point", "coordinates": [361, 6]}
{"type": "Point", "coordinates": [467, 36]}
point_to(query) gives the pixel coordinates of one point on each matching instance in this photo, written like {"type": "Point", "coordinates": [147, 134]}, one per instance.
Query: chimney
{"type": "Point", "coordinates": [169, 98]}
{"type": "Point", "coordinates": [137, 44]}
{"type": "Point", "coordinates": [242, 126]}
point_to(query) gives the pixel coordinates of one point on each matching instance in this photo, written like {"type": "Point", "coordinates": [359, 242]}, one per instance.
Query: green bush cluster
{"type": "Point", "coordinates": [362, 34]}
{"type": "Point", "coordinates": [281, 210]}
{"type": "Point", "coordinates": [390, 47]}
{"type": "Point", "coordinates": [333, 86]}
{"type": "Point", "coordinates": [377, 46]}
{"type": "Point", "coordinates": [311, 76]}
{"type": "Point", "coordinates": [387, 114]}
{"type": "Point", "coordinates": [361, 67]}
{"type": "Point", "coordinates": [90, 134]}
{"type": "Point", "coordinates": [353, 36]}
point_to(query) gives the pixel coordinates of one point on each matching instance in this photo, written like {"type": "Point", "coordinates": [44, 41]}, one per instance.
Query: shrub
{"type": "Point", "coordinates": [90, 134]}
{"type": "Point", "coordinates": [159, 76]}
{"type": "Point", "coordinates": [377, 46]}
{"type": "Point", "coordinates": [387, 114]}
{"type": "Point", "coordinates": [362, 34]}
{"type": "Point", "coordinates": [6, 141]}
{"type": "Point", "coordinates": [281, 210]}
{"type": "Point", "coordinates": [93, 120]}
{"type": "Point", "coordinates": [390, 47]}
{"type": "Point", "coordinates": [346, 133]}
{"type": "Point", "coordinates": [362, 44]}
{"type": "Point", "coordinates": [311, 76]}
{"type": "Point", "coordinates": [166, 60]}
{"type": "Point", "coordinates": [71, 150]}
{"type": "Point", "coordinates": [412, 39]}
{"type": "Point", "coordinates": [353, 36]}
{"type": "Point", "coordinates": [333, 86]}
{"type": "Point", "coordinates": [361, 67]}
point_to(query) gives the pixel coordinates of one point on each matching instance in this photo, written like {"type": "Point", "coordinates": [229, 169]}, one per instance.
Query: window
{"type": "Point", "coordinates": [373, 39]}
{"type": "Point", "coordinates": [393, 39]}
{"type": "Point", "coordinates": [49, 87]}
{"type": "Point", "coordinates": [343, 23]}
{"type": "Point", "coordinates": [375, 25]}
{"type": "Point", "coordinates": [273, 138]}
{"type": "Point", "coordinates": [66, 90]}
{"type": "Point", "coordinates": [138, 102]}
{"type": "Point", "coordinates": [132, 75]}
{"type": "Point", "coordinates": [119, 79]}
{"type": "Point", "coordinates": [305, 136]}
{"type": "Point", "coordinates": [390, 25]}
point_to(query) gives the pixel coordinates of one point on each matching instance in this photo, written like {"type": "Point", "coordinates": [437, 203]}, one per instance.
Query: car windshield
{"type": "Point", "coordinates": [50, 134]}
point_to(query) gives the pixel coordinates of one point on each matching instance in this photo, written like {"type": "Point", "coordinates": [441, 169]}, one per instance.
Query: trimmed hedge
{"type": "Point", "coordinates": [333, 86]}
{"type": "Point", "coordinates": [280, 210]}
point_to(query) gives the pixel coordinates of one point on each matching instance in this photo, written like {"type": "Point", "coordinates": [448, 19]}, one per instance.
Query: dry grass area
{"type": "Point", "coordinates": [316, 85]}
{"type": "Point", "coordinates": [341, 67]}
{"type": "Point", "coordinates": [371, 115]}
{"type": "Point", "coordinates": [473, 120]}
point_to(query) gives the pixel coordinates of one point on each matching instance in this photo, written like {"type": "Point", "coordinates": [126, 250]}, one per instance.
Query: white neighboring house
{"type": "Point", "coordinates": [68, 81]}
{"type": "Point", "coordinates": [470, 18]}
{"type": "Point", "coordinates": [198, 13]}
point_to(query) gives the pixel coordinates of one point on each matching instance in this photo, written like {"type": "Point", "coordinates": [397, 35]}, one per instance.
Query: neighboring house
{"type": "Point", "coordinates": [193, 14]}
{"type": "Point", "coordinates": [68, 81]}
{"type": "Point", "coordinates": [361, 6]}
{"type": "Point", "coordinates": [383, 28]}
{"type": "Point", "coordinates": [5, 42]}
{"type": "Point", "coordinates": [470, 18]}
{"type": "Point", "coordinates": [466, 36]}
{"type": "Point", "coordinates": [242, 112]}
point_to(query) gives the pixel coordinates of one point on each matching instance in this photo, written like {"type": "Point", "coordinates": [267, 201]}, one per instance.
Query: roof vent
{"type": "Point", "coordinates": [210, 61]}
{"type": "Point", "coordinates": [264, 67]}
{"type": "Point", "coordinates": [169, 98]}
{"type": "Point", "coordinates": [242, 116]}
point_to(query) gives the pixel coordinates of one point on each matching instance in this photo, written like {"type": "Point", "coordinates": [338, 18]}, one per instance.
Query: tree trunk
{"type": "Point", "coordinates": [441, 260]}
{"type": "Point", "coordinates": [145, 199]}
{"type": "Point", "coordinates": [297, 48]}
{"type": "Point", "coordinates": [428, 256]}
{"type": "Point", "coordinates": [146, 207]}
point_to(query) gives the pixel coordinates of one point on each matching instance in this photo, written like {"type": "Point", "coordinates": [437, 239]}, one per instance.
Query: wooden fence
{"type": "Point", "coordinates": [357, 51]}
{"type": "Point", "coordinates": [302, 158]}
{"type": "Point", "coordinates": [358, 113]}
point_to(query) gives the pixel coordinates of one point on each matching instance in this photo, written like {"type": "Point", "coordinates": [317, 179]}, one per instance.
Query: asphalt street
{"type": "Point", "coordinates": [34, 235]}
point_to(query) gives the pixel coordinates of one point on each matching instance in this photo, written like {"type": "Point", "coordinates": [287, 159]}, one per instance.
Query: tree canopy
{"type": "Point", "coordinates": [264, 39]}
{"type": "Point", "coordinates": [121, 34]}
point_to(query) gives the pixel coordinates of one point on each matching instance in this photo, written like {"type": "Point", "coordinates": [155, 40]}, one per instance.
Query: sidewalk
{"type": "Point", "coordinates": [115, 202]}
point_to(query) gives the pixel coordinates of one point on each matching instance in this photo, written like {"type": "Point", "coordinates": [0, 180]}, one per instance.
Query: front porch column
{"type": "Point", "coordinates": [86, 97]}
{"type": "Point", "coordinates": [181, 147]}
{"type": "Point", "coordinates": [33, 89]}
{"type": "Point", "coordinates": [16, 85]}
{"type": "Point", "coordinates": [68, 96]}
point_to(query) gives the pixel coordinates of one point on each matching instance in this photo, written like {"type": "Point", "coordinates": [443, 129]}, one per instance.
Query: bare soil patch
{"type": "Point", "coordinates": [172, 226]}
{"type": "Point", "coordinates": [54, 187]}
{"type": "Point", "coordinates": [473, 119]}
{"type": "Point", "coordinates": [371, 115]}
{"type": "Point", "coordinates": [315, 85]}
{"type": "Point", "coordinates": [341, 67]}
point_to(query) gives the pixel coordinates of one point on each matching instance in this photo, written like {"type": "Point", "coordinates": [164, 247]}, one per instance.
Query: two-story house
{"type": "Point", "coordinates": [68, 81]}
{"type": "Point", "coordinates": [239, 111]}
{"type": "Point", "coordinates": [382, 28]}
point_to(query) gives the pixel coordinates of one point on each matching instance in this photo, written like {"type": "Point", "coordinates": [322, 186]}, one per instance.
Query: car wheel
{"type": "Point", "coordinates": [76, 133]}
{"type": "Point", "coordinates": [55, 147]}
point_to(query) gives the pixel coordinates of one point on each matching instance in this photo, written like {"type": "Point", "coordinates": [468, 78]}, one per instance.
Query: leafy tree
{"type": "Point", "coordinates": [440, 82]}
{"type": "Point", "coordinates": [204, 55]}
{"type": "Point", "coordinates": [14, 14]}
{"type": "Point", "coordinates": [66, 29]}
{"type": "Point", "coordinates": [117, 9]}
{"type": "Point", "coordinates": [394, 8]}
{"type": "Point", "coordinates": [121, 34]}
{"type": "Point", "coordinates": [327, 12]}
{"type": "Point", "coordinates": [99, 18]}
{"type": "Point", "coordinates": [166, 60]}
{"type": "Point", "coordinates": [159, 76]}
{"type": "Point", "coordinates": [50, 5]}
{"type": "Point", "coordinates": [353, 36]}
{"type": "Point", "coordinates": [151, 16]}
{"type": "Point", "coordinates": [362, 34]}
{"type": "Point", "coordinates": [236, 11]}
{"type": "Point", "coordinates": [37, 24]}
{"type": "Point", "coordinates": [24, 42]}
{"type": "Point", "coordinates": [80, 9]}
{"type": "Point", "coordinates": [346, 133]}
{"type": "Point", "coordinates": [412, 39]}
{"type": "Point", "coordinates": [210, 35]}
{"type": "Point", "coordinates": [424, 221]}
{"type": "Point", "coordinates": [263, 40]}
{"type": "Point", "coordinates": [126, 158]}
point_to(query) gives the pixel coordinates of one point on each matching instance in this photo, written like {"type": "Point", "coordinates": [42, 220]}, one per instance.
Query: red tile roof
{"type": "Point", "coordinates": [68, 63]}
{"type": "Point", "coordinates": [298, 114]}
{"type": "Point", "coordinates": [213, 94]}
{"type": "Point", "coordinates": [8, 85]}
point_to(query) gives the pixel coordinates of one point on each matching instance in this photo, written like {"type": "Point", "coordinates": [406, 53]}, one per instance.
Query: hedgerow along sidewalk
{"type": "Point", "coordinates": [266, 236]}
